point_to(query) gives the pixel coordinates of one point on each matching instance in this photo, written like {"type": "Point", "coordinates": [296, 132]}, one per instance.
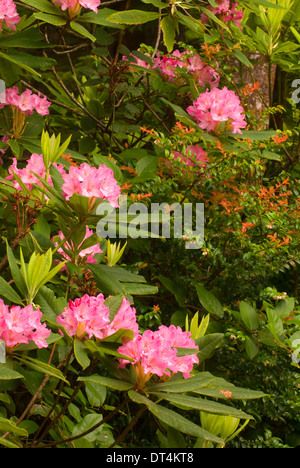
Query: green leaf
{"type": "Point", "coordinates": [133, 17]}
{"type": "Point", "coordinates": [115, 384]}
{"type": "Point", "coordinates": [183, 385]}
{"type": "Point", "coordinates": [209, 301]}
{"type": "Point", "coordinates": [81, 354]}
{"type": "Point", "coordinates": [9, 293]}
{"type": "Point", "coordinates": [249, 316]}
{"type": "Point", "coordinates": [42, 367]}
{"type": "Point", "coordinates": [7, 425]}
{"type": "Point", "coordinates": [106, 281]}
{"type": "Point", "coordinates": [6, 373]}
{"type": "Point", "coordinates": [15, 271]}
{"type": "Point", "coordinates": [203, 405]}
{"type": "Point", "coordinates": [137, 289]}
{"type": "Point", "coordinates": [82, 30]}
{"type": "Point", "coordinates": [207, 344]}
{"type": "Point", "coordinates": [43, 5]}
{"type": "Point", "coordinates": [51, 19]}
{"type": "Point", "coordinates": [173, 419]}
{"type": "Point", "coordinates": [168, 27]}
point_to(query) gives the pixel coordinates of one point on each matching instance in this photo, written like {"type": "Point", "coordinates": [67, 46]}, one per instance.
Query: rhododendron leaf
{"type": "Point", "coordinates": [207, 344]}
{"type": "Point", "coordinates": [81, 353]}
{"type": "Point", "coordinates": [42, 367]}
{"type": "Point", "coordinates": [203, 405]}
{"type": "Point", "coordinates": [209, 301]}
{"type": "Point", "coordinates": [99, 18]}
{"type": "Point", "coordinates": [168, 27]}
{"type": "Point", "coordinates": [137, 289]}
{"type": "Point", "coordinates": [173, 419]}
{"type": "Point", "coordinates": [118, 336]}
{"type": "Point", "coordinates": [15, 271]}
{"type": "Point", "coordinates": [6, 373]}
{"type": "Point", "coordinates": [106, 281]}
{"type": "Point", "coordinates": [157, 3]}
{"type": "Point", "coordinates": [183, 385]}
{"type": "Point", "coordinates": [133, 17]}
{"type": "Point", "coordinates": [115, 384]}
{"type": "Point", "coordinates": [52, 19]}
{"type": "Point", "coordinates": [114, 303]}
{"type": "Point", "coordinates": [82, 30]}
{"type": "Point", "coordinates": [43, 5]}
{"type": "Point", "coordinates": [6, 425]}
{"type": "Point", "coordinates": [9, 293]}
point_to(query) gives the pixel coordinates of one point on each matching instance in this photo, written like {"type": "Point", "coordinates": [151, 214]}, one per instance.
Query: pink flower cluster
{"type": "Point", "coordinates": [68, 250]}
{"type": "Point", "coordinates": [227, 11]}
{"type": "Point", "coordinates": [193, 156]}
{"type": "Point", "coordinates": [34, 165]}
{"type": "Point", "coordinates": [156, 353]}
{"type": "Point", "coordinates": [91, 182]}
{"type": "Point", "coordinates": [8, 14]}
{"type": "Point", "coordinates": [89, 315]}
{"type": "Point", "coordinates": [217, 106]}
{"type": "Point", "coordinates": [170, 65]}
{"type": "Point", "coordinates": [83, 180]}
{"type": "Point", "coordinates": [21, 325]}
{"type": "Point", "coordinates": [26, 102]}
{"type": "Point", "coordinates": [75, 5]}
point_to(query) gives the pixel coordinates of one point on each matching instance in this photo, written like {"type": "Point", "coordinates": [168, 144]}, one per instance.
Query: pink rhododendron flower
{"type": "Point", "coordinates": [227, 11]}
{"type": "Point", "coordinates": [34, 165]}
{"type": "Point", "coordinates": [124, 318]}
{"type": "Point", "coordinates": [156, 353]}
{"type": "Point", "coordinates": [169, 65]}
{"type": "Point", "coordinates": [194, 156]}
{"type": "Point", "coordinates": [86, 315]}
{"type": "Point", "coordinates": [89, 315]}
{"type": "Point", "coordinates": [8, 14]}
{"type": "Point", "coordinates": [26, 102]}
{"type": "Point", "coordinates": [74, 5]}
{"type": "Point", "coordinates": [21, 325]}
{"type": "Point", "coordinates": [86, 255]}
{"type": "Point", "coordinates": [218, 105]}
{"type": "Point", "coordinates": [91, 182]}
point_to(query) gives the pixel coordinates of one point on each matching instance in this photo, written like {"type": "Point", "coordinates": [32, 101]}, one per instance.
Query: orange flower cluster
{"type": "Point", "coordinates": [248, 90]}
{"type": "Point", "coordinates": [210, 50]}
{"type": "Point", "coordinates": [279, 140]}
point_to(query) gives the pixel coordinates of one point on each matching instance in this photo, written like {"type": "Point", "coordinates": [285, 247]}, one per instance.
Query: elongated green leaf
{"type": "Point", "coordinates": [52, 19]}
{"type": "Point", "coordinates": [168, 27]}
{"type": "Point", "coordinates": [209, 301]}
{"type": "Point", "coordinates": [81, 354]}
{"type": "Point", "coordinates": [133, 17]}
{"type": "Point", "coordinates": [42, 367]}
{"type": "Point", "coordinates": [15, 271]}
{"type": "Point", "coordinates": [183, 385]}
{"type": "Point", "coordinates": [82, 30]}
{"type": "Point", "coordinates": [203, 405]}
{"type": "Point", "coordinates": [8, 292]}
{"type": "Point", "coordinates": [6, 373]}
{"type": "Point", "coordinates": [249, 316]}
{"type": "Point", "coordinates": [115, 384]}
{"type": "Point", "coordinates": [207, 344]}
{"type": "Point", "coordinates": [7, 425]}
{"type": "Point", "coordinates": [173, 419]}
